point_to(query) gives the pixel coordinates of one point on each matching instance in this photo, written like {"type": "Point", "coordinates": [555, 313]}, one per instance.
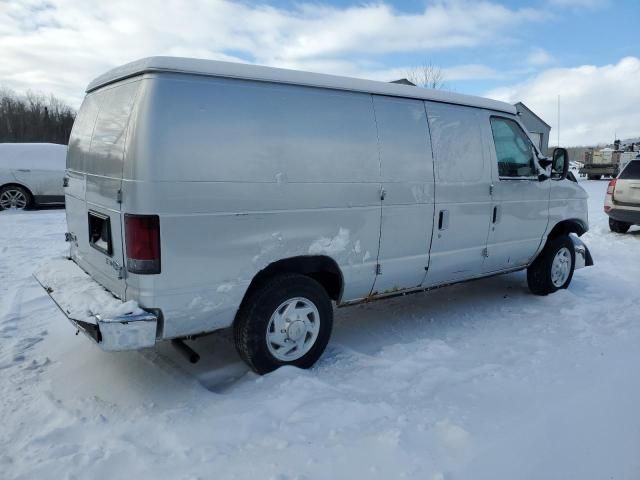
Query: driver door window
{"type": "Point", "coordinates": [514, 150]}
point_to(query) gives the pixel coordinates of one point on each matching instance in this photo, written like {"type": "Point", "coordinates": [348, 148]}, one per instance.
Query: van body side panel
{"type": "Point", "coordinates": [408, 183]}
{"type": "Point", "coordinates": [462, 193]}
{"type": "Point", "coordinates": [568, 201]}
{"type": "Point", "coordinates": [243, 174]}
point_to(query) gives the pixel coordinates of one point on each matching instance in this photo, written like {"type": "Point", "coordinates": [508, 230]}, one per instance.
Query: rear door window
{"type": "Point", "coordinates": [631, 171]}
{"type": "Point", "coordinates": [80, 140]}
{"type": "Point", "coordinates": [514, 149]}
{"type": "Point", "coordinates": [110, 129]}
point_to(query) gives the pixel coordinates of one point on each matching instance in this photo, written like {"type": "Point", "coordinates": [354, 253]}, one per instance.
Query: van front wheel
{"type": "Point", "coordinates": [285, 321]}
{"type": "Point", "coordinates": [553, 269]}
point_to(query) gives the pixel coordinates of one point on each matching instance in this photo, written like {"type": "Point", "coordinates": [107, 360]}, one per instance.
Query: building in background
{"type": "Point", "coordinates": [538, 128]}
{"type": "Point", "coordinates": [404, 81]}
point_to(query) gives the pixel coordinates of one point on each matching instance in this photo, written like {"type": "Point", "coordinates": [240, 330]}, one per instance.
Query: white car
{"type": "Point", "coordinates": [622, 201]}
{"type": "Point", "coordinates": [206, 195]}
{"type": "Point", "coordinates": [31, 174]}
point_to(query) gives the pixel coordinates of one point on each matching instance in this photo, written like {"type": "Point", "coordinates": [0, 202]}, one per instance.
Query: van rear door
{"type": "Point", "coordinates": [95, 161]}
{"type": "Point", "coordinates": [627, 189]}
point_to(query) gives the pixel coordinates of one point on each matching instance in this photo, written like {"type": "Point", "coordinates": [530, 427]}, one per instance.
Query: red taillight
{"type": "Point", "coordinates": [612, 186]}
{"type": "Point", "coordinates": [142, 238]}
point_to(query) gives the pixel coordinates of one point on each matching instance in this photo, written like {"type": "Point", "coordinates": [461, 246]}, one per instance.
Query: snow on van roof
{"type": "Point", "coordinates": [216, 68]}
{"type": "Point", "coordinates": [37, 156]}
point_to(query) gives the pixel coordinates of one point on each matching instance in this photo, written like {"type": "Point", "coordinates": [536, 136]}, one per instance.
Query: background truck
{"type": "Point", "coordinates": [601, 162]}
{"type": "Point", "coordinates": [609, 161]}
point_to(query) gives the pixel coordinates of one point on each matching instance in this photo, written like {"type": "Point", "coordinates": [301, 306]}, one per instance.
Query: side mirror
{"type": "Point", "coordinates": [560, 165]}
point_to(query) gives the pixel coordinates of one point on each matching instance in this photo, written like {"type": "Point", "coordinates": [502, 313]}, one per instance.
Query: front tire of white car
{"type": "Point", "coordinates": [287, 320]}
{"type": "Point", "coordinates": [554, 267]}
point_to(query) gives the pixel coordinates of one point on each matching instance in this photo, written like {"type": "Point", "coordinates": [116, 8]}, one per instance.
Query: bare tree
{"type": "Point", "coordinates": [427, 75]}
{"type": "Point", "coordinates": [34, 118]}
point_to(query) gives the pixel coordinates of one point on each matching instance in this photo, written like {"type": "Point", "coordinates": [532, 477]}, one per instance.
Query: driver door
{"type": "Point", "coordinates": [520, 210]}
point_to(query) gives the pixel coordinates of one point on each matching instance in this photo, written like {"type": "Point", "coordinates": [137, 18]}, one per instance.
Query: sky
{"type": "Point", "coordinates": [586, 52]}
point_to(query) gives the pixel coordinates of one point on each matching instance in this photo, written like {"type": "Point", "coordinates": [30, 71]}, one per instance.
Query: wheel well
{"type": "Point", "coordinates": [565, 227]}
{"type": "Point", "coordinates": [321, 268]}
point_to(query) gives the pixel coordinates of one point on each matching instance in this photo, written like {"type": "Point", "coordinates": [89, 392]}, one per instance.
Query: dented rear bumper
{"type": "Point", "coordinates": [111, 323]}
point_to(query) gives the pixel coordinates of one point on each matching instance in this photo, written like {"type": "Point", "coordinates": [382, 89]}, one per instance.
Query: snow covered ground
{"type": "Point", "coordinates": [476, 381]}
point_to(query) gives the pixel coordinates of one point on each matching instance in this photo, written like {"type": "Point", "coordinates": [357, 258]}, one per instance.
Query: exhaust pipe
{"type": "Point", "coordinates": [188, 352]}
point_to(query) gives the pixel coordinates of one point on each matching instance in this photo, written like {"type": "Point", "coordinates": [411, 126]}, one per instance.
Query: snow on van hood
{"type": "Point", "coordinates": [36, 156]}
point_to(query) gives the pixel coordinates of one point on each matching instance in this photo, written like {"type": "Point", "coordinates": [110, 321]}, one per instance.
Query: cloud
{"type": "Point", "coordinates": [590, 4]}
{"type": "Point", "coordinates": [539, 57]}
{"type": "Point", "coordinates": [473, 71]}
{"type": "Point", "coordinates": [60, 45]}
{"type": "Point", "coordinates": [595, 101]}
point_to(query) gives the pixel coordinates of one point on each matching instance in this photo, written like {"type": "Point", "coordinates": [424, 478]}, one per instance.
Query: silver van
{"type": "Point", "coordinates": [203, 195]}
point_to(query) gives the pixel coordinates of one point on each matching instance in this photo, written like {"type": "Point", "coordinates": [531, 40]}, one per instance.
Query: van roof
{"type": "Point", "coordinates": [216, 68]}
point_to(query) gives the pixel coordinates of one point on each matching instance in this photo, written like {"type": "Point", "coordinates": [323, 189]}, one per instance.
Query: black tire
{"type": "Point", "coordinates": [618, 227]}
{"type": "Point", "coordinates": [252, 320]}
{"type": "Point", "coordinates": [539, 274]}
{"type": "Point", "coordinates": [594, 177]}
{"type": "Point", "coordinates": [22, 190]}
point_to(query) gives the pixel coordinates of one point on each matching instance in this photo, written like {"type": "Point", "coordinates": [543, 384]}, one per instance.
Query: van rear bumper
{"type": "Point", "coordinates": [111, 323]}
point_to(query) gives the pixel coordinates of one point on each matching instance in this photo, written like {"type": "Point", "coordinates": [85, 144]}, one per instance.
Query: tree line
{"type": "Point", "coordinates": [34, 117]}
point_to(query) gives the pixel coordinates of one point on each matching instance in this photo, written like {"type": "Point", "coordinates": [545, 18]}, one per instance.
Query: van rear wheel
{"type": "Point", "coordinates": [287, 320]}
{"type": "Point", "coordinates": [554, 267]}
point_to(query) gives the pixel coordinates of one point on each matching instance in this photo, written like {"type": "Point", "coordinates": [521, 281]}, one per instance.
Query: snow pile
{"type": "Point", "coordinates": [33, 156]}
{"type": "Point", "coordinates": [477, 381]}
{"type": "Point", "coordinates": [79, 295]}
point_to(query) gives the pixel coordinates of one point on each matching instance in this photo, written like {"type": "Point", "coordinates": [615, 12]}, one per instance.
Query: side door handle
{"type": "Point", "coordinates": [495, 217]}
{"type": "Point", "coordinates": [443, 220]}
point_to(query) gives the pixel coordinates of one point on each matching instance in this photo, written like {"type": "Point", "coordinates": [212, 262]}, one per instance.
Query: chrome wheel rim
{"type": "Point", "coordinates": [293, 329]}
{"type": "Point", "coordinates": [13, 198]}
{"type": "Point", "coordinates": [561, 267]}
